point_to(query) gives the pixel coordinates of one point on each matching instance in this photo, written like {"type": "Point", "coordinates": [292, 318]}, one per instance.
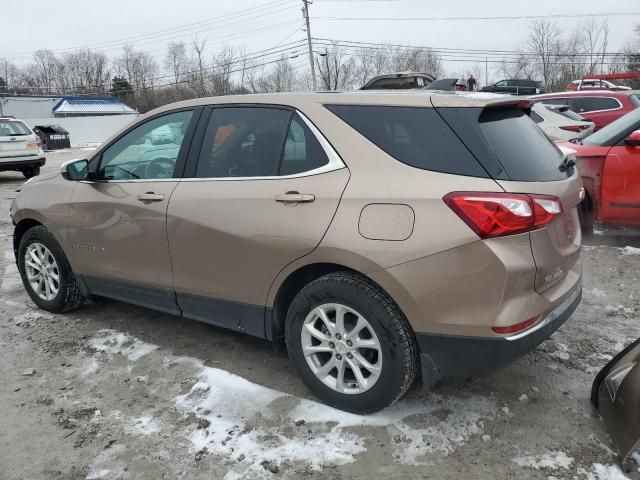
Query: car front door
{"type": "Point", "coordinates": [621, 185]}
{"type": "Point", "coordinates": [263, 192]}
{"type": "Point", "coordinates": [117, 219]}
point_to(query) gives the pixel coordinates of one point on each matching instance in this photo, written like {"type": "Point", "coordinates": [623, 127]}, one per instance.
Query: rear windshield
{"type": "Point", "coordinates": [13, 129]}
{"type": "Point", "coordinates": [415, 136]}
{"type": "Point", "coordinates": [565, 111]}
{"type": "Point", "coordinates": [522, 149]}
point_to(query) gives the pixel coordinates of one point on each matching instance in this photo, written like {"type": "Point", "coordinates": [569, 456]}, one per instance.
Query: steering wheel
{"type": "Point", "coordinates": [160, 167]}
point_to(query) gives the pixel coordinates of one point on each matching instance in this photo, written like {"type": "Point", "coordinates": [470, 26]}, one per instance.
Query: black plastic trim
{"type": "Point", "coordinates": [19, 164]}
{"type": "Point", "coordinates": [242, 317]}
{"type": "Point", "coordinates": [453, 357]}
{"type": "Point", "coordinates": [149, 297]}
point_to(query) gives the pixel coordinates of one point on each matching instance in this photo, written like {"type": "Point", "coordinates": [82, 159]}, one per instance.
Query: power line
{"type": "Point", "coordinates": [511, 17]}
{"type": "Point", "coordinates": [447, 51]}
{"type": "Point", "coordinates": [187, 30]}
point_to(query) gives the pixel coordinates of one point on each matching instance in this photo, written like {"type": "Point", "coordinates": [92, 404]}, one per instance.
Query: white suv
{"type": "Point", "coordinates": [19, 148]}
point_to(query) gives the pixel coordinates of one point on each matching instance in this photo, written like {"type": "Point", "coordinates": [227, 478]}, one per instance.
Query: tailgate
{"type": "Point", "coordinates": [523, 160]}
{"type": "Point", "coordinates": [555, 247]}
{"type": "Point", "coordinates": [13, 146]}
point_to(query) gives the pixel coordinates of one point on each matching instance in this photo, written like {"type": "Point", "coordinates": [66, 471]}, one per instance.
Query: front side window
{"type": "Point", "coordinates": [243, 142]}
{"type": "Point", "coordinates": [149, 151]}
{"type": "Point", "coordinates": [501, 83]}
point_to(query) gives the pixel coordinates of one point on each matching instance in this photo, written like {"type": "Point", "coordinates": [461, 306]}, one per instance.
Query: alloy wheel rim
{"type": "Point", "coordinates": [341, 348]}
{"type": "Point", "coordinates": [42, 271]}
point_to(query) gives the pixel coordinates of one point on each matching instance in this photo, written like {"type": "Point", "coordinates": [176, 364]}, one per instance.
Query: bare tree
{"type": "Point", "coordinates": [43, 71]}
{"type": "Point", "coordinates": [336, 70]}
{"type": "Point", "coordinates": [597, 40]}
{"type": "Point", "coordinates": [176, 60]}
{"type": "Point", "coordinates": [544, 42]}
{"type": "Point", "coordinates": [198, 81]}
{"type": "Point", "coordinates": [9, 73]}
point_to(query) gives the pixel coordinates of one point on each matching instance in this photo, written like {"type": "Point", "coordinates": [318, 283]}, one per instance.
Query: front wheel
{"type": "Point", "coordinates": [46, 273]}
{"type": "Point", "coordinates": [350, 343]}
{"type": "Point", "coordinates": [31, 172]}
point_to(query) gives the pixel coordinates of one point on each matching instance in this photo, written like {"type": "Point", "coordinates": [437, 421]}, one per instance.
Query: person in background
{"type": "Point", "coordinates": [471, 83]}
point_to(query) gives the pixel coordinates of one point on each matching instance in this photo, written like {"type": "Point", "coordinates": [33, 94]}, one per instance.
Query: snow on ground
{"type": "Point", "coordinates": [253, 424]}
{"type": "Point", "coordinates": [604, 472]}
{"type": "Point", "coordinates": [551, 460]}
{"type": "Point", "coordinates": [630, 251]}
{"type": "Point", "coordinates": [113, 342]}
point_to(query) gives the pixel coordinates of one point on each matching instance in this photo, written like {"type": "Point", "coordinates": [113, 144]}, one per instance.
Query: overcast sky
{"type": "Point", "coordinates": [68, 24]}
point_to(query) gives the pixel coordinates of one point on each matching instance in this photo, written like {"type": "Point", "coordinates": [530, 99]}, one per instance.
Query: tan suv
{"type": "Point", "coordinates": [378, 234]}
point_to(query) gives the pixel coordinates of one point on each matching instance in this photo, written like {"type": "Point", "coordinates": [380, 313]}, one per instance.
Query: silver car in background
{"type": "Point", "coordinates": [559, 122]}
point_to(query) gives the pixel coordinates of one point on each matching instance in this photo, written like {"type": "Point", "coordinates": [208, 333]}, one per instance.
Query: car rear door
{"type": "Point", "coordinates": [532, 163]}
{"type": "Point", "coordinates": [263, 190]}
{"type": "Point", "coordinates": [621, 185]}
{"type": "Point", "coordinates": [16, 140]}
{"type": "Point", "coordinates": [528, 162]}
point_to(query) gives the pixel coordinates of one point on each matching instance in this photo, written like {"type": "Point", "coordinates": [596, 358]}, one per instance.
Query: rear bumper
{"type": "Point", "coordinates": [453, 357]}
{"type": "Point", "coordinates": [19, 163]}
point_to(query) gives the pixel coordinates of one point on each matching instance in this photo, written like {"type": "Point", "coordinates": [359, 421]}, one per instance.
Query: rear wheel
{"type": "Point", "coordinates": [31, 172]}
{"type": "Point", "coordinates": [350, 343]}
{"type": "Point", "coordinates": [585, 214]}
{"type": "Point", "coordinates": [46, 273]}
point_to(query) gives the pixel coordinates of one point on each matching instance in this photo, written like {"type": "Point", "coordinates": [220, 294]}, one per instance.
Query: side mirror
{"type": "Point", "coordinates": [76, 170]}
{"type": "Point", "coordinates": [633, 140]}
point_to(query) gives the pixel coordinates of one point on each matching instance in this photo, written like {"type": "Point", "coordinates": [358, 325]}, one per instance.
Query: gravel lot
{"type": "Point", "coordinates": [119, 392]}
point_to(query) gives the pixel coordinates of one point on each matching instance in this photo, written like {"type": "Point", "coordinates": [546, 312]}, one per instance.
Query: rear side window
{"type": "Point", "coordinates": [592, 104]}
{"type": "Point", "coordinates": [524, 151]}
{"type": "Point", "coordinates": [13, 129]}
{"type": "Point", "coordinates": [302, 150]}
{"type": "Point", "coordinates": [415, 136]}
{"type": "Point", "coordinates": [243, 142]}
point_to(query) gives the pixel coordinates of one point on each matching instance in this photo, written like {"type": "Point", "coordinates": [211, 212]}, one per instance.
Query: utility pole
{"type": "Point", "coordinates": [305, 13]}
{"type": "Point", "coordinates": [486, 72]}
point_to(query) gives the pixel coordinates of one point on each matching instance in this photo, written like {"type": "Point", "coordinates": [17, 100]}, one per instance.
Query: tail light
{"type": "Point", "coordinates": [499, 214]}
{"type": "Point", "coordinates": [38, 141]}
{"type": "Point", "coordinates": [574, 128]}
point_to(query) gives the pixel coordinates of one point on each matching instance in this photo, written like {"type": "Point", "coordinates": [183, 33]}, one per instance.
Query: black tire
{"type": "Point", "coordinates": [397, 341]}
{"type": "Point", "coordinates": [69, 294]}
{"type": "Point", "coordinates": [31, 172]}
{"type": "Point", "coordinates": [585, 214]}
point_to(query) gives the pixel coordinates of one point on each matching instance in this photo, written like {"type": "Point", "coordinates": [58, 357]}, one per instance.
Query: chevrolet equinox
{"type": "Point", "coordinates": [381, 236]}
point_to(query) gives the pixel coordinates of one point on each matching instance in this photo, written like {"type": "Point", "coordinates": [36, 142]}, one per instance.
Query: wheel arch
{"type": "Point", "coordinates": [292, 282]}
{"type": "Point", "coordinates": [20, 229]}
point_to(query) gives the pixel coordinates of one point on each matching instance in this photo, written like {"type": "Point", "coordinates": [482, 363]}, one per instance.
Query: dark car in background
{"type": "Point", "coordinates": [515, 86]}
{"type": "Point", "coordinates": [600, 106]}
{"type": "Point", "coordinates": [399, 81]}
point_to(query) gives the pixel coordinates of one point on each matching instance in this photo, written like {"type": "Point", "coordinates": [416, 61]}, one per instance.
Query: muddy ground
{"type": "Point", "coordinates": [119, 392]}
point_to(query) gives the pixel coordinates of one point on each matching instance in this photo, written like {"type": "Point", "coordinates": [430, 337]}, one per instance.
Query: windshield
{"type": "Point", "coordinates": [609, 134]}
{"type": "Point", "coordinates": [13, 129]}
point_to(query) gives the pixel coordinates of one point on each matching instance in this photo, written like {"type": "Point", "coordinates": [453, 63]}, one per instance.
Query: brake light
{"type": "Point", "coordinates": [518, 327]}
{"type": "Point", "coordinates": [574, 128]}
{"type": "Point", "coordinates": [38, 141]}
{"type": "Point", "coordinates": [492, 215]}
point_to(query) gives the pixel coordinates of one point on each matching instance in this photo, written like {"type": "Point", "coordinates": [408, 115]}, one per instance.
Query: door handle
{"type": "Point", "coordinates": [150, 197]}
{"type": "Point", "coordinates": [295, 197]}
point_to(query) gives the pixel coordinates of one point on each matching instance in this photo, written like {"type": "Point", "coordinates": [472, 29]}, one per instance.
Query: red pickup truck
{"type": "Point", "coordinates": [609, 163]}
